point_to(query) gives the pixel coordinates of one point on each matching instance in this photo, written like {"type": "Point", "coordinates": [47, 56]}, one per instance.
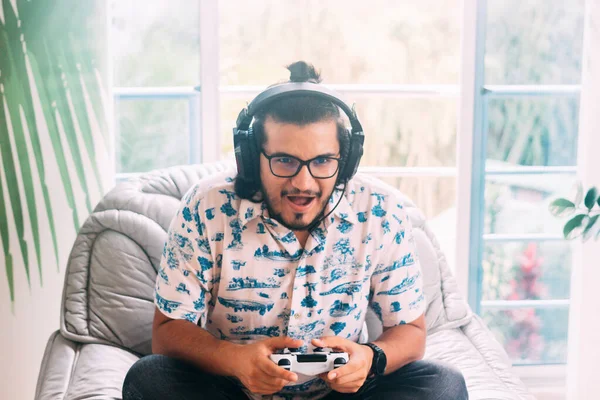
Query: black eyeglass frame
{"type": "Point", "coordinates": [302, 164]}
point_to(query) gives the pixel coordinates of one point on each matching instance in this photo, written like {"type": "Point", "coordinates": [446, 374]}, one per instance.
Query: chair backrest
{"type": "Point", "coordinates": [109, 282]}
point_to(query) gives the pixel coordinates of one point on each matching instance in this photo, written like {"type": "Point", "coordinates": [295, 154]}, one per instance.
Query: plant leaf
{"type": "Point", "coordinates": [9, 163]}
{"type": "Point", "coordinates": [590, 198]}
{"type": "Point", "coordinates": [18, 89]}
{"type": "Point", "coordinates": [590, 229]}
{"type": "Point", "coordinates": [8, 260]}
{"type": "Point", "coordinates": [573, 227]}
{"type": "Point", "coordinates": [561, 207]}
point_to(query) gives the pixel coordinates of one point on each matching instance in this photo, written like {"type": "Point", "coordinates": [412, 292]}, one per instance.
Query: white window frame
{"type": "Point", "coordinates": [471, 145]}
{"type": "Point", "coordinates": [472, 172]}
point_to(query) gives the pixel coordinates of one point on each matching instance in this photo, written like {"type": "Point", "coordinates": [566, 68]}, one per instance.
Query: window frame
{"type": "Point", "coordinates": [472, 171]}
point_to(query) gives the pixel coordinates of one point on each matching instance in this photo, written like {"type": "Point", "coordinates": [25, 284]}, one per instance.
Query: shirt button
{"type": "Point", "coordinates": [298, 315]}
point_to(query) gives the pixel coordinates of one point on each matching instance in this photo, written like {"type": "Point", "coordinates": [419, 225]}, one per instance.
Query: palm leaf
{"type": "Point", "coordinates": [62, 105]}
{"type": "Point", "coordinates": [44, 27]}
{"type": "Point", "coordinates": [4, 213]}
{"type": "Point", "coordinates": [7, 79]}
{"type": "Point", "coordinates": [81, 114]}
{"type": "Point", "coordinates": [44, 61]}
{"type": "Point", "coordinates": [49, 85]}
{"type": "Point", "coordinates": [19, 85]}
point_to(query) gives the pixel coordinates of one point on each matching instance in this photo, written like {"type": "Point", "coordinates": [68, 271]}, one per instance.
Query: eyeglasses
{"type": "Point", "coordinates": [286, 166]}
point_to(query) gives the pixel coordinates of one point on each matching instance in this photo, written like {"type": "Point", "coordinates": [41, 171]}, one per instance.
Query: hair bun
{"type": "Point", "coordinates": [301, 71]}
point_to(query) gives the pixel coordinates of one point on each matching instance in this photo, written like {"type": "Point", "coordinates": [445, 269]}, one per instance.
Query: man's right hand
{"type": "Point", "coordinates": [257, 371]}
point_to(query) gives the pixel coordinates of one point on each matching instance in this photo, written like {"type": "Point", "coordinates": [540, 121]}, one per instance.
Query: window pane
{"type": "Point", "coordinates": [532, 131]}
{"type": "Point", "coordinates": [155, 43]}
{"type": "Point", "coordinates": [408, 132]}
{"type": "Point", "coordinates": [433, 195]}
{"type": "Point", "coordinates": [152, 134]}
{"type": "Point", "coordinates": [518, 204]}
{"type": "Point", "coordinates": [531, 336]}
{"type": "Point", "coordinates": [526, 270]}
{"type": "Point", "coordinates": [534, 42]}
{"type": "Point", "coordinates": [398, 132]}
{"type": "Point", "coordinates": [381, 41]}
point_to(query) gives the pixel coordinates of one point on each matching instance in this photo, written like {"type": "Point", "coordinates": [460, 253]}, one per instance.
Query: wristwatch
{"type": "Point", "coordinates": [379, 360]}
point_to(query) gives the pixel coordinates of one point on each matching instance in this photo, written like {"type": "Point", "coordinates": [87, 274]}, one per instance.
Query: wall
{"type": "Point", "coordinates": [55, 152]}
{"type": "Point", "coordinates": [584, 318]}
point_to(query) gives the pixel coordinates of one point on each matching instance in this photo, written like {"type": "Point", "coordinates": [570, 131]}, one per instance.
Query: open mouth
{"type": "Point", "coordinates": [300, 203]}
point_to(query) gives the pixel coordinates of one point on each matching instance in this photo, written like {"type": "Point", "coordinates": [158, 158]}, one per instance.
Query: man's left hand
{"type": "Point", "coordinates": [350, 377]}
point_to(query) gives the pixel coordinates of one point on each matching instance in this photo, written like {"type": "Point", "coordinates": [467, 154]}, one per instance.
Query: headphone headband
{"type": "Point", "coordinates": [247, 151]}
{"type": "Point", "coordinates": [291, 90]}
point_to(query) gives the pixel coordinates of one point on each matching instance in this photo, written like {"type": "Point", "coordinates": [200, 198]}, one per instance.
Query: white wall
{"type": "Point", "coordinates": [583, 381]}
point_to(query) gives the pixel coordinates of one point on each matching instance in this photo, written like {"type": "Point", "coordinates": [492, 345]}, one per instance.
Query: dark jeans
{"type": "Point", "coordinates": [161, 377]}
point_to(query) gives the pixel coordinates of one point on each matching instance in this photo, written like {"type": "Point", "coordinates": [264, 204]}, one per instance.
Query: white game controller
{"type": "Point", "coordinates": [311, 364]}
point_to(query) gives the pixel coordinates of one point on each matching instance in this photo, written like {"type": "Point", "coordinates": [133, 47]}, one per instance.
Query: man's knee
{"type": "Point", "coordinates": [142, 375]}
{"type": "Point", "coordinates": [451, 384]}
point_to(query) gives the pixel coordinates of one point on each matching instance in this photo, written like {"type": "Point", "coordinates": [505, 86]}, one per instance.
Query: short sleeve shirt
{"type": "Point", "coordinates": [244, 277]}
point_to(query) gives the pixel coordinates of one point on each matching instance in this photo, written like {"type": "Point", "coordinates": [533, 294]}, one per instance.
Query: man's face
{"type": "Point", "coordinates": [297, 201]}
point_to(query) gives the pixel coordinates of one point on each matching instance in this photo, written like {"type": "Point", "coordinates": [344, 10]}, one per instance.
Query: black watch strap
{"type": "Point", "coordinates": [379, 360]}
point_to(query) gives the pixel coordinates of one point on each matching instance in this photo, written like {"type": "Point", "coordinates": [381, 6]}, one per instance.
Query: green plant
{"type": "Point", "coordinates": [584, 223]}
{"type": "Point", "coordinates": [52, 64]}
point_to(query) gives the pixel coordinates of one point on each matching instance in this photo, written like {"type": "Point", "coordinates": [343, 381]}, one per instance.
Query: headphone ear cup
{"type": "Point", "coordinates": [242, 142]}
{"type": "Point", "coordinates": [253, 158]}
{"type": "Point", "coordinates": [238, 139]}
{"type": "Point", "coordinates": [354, 155]}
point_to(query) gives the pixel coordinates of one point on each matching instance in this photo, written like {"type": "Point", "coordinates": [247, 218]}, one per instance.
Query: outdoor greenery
{"type": "Point", "coordinates": [518, 270]}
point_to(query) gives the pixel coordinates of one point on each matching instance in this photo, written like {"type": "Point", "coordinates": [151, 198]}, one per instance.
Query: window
{"type": "Point", "coordinates": [527, 105]}
{"type": "Point", "coordinates": [183, 70]}
{"type": "Point", "coordinates": [402, 98]}
{"type": "Point", "coordinates": [156, 63]}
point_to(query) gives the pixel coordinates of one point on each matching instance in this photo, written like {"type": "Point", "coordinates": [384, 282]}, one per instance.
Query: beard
{"type": "Point", "coordinates": [296, 224]}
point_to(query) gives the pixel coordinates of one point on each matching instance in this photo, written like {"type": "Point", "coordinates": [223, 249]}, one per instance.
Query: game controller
{"type": "Point", "coordinates": [319, 361]}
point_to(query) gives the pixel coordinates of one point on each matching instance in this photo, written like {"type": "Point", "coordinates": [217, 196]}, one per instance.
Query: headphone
{"type": "Point", "coordinates": [247, 151]}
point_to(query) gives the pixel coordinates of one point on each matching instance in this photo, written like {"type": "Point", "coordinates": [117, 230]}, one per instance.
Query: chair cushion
{"type": "Point", "coordinates": [109, 283]}
{"type": "Point", "coordinates": [482, 360]}
{"type": "Point", "coordinates": [82, 371]}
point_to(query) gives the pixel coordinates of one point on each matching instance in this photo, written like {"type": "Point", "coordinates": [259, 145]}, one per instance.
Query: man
{"type": "Point", "coordinates": [292, 258]}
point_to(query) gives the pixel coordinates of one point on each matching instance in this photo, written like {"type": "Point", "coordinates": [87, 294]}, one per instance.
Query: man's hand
{"type": "Point", "coordinates": [256, 371]}
{"type": "Point", "coordinates": [350, 377]}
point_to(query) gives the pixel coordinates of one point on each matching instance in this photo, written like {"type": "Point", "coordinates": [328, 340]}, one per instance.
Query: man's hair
{"type": "Point", "coordinates": [299, 110]}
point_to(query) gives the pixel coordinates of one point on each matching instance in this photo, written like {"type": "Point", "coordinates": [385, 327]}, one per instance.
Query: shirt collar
{"type": "Point", "coordinates": [250, 210]}
{"type": "Point", "coordinates": [343, 211]}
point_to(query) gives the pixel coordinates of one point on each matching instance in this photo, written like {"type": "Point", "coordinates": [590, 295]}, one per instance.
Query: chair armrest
{"type": "Point", "coordinates": [73, 370]}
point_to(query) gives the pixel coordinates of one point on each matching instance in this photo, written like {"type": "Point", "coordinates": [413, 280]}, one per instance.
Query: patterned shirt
{"type": "Point", "coordinates": [244, 277]}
